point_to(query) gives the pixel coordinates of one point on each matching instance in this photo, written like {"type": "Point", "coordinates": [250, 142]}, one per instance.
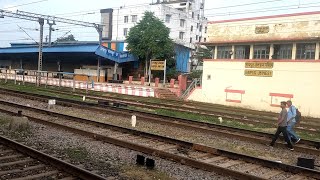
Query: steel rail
{"type": "Point", "coordinates": [249, 135]}
{"type": "Point", "coordinates": [253, 118]}
{"type": "Point", "coordinates": [47, 159]}
{"type": "Point", "coordinates": [171, 156]}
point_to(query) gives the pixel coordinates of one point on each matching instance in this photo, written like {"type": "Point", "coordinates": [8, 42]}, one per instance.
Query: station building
{"type": "Point", "coordinates": [259, 62]}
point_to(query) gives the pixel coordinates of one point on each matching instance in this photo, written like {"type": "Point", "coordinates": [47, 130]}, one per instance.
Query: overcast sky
{"type": "Point", "coordinates": [89, 11]}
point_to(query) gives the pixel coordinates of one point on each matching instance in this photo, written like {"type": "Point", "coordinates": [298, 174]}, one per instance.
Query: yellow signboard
{"type": "Point", "coordinates": [259, 73]}
{"type": "Point", "coordinates": [157, 65]}
{"type": "Point", "coordinates": [262, 65]}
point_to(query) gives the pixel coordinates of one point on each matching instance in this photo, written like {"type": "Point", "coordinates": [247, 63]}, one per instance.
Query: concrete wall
{"type": "Point", "coordinates": [283, 27]}
{"type": "Point", "coordinates": [224, 83]}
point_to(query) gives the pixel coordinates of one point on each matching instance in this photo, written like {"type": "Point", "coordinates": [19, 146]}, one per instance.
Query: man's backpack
{"type": "Point", "coordinates": [298, 115]}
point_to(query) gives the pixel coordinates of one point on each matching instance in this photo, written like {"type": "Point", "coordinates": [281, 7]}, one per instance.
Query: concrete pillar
{"type": "Point", "coordinates": [130, 79]}
{"type": "Point", "coordinates": [251, 52]}
{"type": "Point", "coordinates": [172, 83]}
{"type": "Point", "coordinates": [233, 52]}
{"type": "Point", "coordinates": [271, 51]}
{"type": "Point", "coordinates": [216, 52]}
{"type": "Point", "coordinates": [142, 81]}
{"type": "Point", "coordinates": [157, 80]}
{"type": "Point", "coordinates": [317, 53]}
{"type": "Point", "coordinates": [294, 51]}
{"type": "Point", "coordinates": [183, 83]}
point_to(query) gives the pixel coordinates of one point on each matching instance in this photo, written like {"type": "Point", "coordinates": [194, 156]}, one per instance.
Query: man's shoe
{"type": "Point", "coordinates": [297, 141]}
{"type": "Point", "coordinates": [291, 149]}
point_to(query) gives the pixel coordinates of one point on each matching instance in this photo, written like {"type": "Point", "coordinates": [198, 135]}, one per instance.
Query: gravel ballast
{"type": "Point", "coordinates": [248, 148]}
{"type": "Point", "coordinates": [110, 161]}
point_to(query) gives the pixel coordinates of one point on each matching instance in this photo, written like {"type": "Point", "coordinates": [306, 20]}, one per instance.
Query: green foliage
{"type": "Point", "coordinates": [150, 39]}
{"type": "Point", "coordinates": [196, 74]}
{"type": "Point", "coordinates": [203, 53]}
{"type": "Point", "coordinates": [78, 154]}
{"type": "Point", "coordinates": [172, 73]}
{"type": "Point", "coordinates": [66, 39]}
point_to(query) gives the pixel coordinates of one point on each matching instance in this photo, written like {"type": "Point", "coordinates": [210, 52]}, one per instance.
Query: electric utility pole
{"type": "Point", "coordinates": [41, 18]}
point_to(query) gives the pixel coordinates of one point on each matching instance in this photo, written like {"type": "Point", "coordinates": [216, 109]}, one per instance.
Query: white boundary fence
{"type": "Point", "coordinates": [102, 87]}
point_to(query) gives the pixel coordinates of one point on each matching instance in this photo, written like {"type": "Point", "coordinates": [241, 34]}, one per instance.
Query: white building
{"type": "Point", "coordinates": [185, 18]}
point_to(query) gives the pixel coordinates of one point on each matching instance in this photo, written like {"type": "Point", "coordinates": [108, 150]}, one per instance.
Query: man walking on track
{"type": "Point", "coordinates": [292, 113]}
{"type": "Point", "coordinates": [282, 126]}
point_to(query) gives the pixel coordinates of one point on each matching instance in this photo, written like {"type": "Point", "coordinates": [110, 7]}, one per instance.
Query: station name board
{"type": "Point", "coordinates": [259, 73]}
{"type": "Point", "coordinates": [262, 65]}
{"type": "Point", "coordinates": [157, 65]}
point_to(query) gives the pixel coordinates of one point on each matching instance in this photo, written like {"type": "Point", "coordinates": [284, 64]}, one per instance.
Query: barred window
{"type": "Point", "coordinates": [306, 51]}
{"type": "Point", "coordinates": [282, 51]}
{"type": "Point", "coordinates": [261, 52]}
{"type": "Point", "coordinates": [242, 52]}
{"type": "Point", "coordinates": [224, 52]}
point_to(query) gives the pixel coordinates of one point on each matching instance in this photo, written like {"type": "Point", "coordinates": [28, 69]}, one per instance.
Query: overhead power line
{"type": "Point", "coordinates": [34, 2]}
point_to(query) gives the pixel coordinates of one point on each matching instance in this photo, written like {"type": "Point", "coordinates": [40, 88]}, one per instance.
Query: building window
{"type": "Point", "coordinates": [205, 29]}
{"type": "Point", "coordinates": [200, 39]}
{"type": "Point", "coordinates": [205, 40]}
{"type": "Point", "coordinates": [306, 51]}
{"type": "Point", "coordinates": [261, 52]}
{"type": "Point", "coordinates": [191, 29]}
{"type": "Point", "coordinates": [200, 29]}
{"type": "Point", "coordinates": [242, 52]}
{"type": "Point", "coordinates": [182, 21]}
{"type": "Point", "coordinates": [181, 35]}
{"type": "Point", "coordinates": [282, 51]}
{"type": "Point", "coordinates": [224, 52]}
{"type": "Point", "coordinates": [168, 18]}
{"type": "Point", "coordinates": [190, 40]}
{"type": "Point", "coordinates": [126, 19]}
{"type": "Point", "coordinates": [134, 18]}
{"type": "Point", "coordinates": [198, 16]}
{"type": "Point", "coordinates": [125, 31]}
{"type": "Point", "coordinates": [197, 37]}
{"type": "Point", "coordinates": [197, 25]}
{"type": "Point", "coordinates": [192, 15]}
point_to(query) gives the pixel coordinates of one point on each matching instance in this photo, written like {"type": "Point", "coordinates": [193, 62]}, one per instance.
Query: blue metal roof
{"type": "Point", "coordinates": [119, 57]}
{"type": "Point", "coordinates": [53, 49]}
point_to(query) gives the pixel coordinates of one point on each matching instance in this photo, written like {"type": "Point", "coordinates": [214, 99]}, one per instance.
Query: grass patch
{"type": "Point", "coordinates": [31, 88]}
{"type": "Point", "coordinates": [141, 173]}
{"type": "Point", "coordinates": [77, 154]}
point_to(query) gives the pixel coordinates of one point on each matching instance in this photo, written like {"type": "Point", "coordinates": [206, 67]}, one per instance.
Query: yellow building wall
{"type": "Point", "coordinates": [276, 28]}
{"type": "Point", "coordinates": [299, 79]}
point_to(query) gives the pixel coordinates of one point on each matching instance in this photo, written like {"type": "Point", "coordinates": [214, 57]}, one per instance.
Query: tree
{"type": "Point", "coordinates": [150, 39]}
{"type": "Point", "coordinates": [66, 39]}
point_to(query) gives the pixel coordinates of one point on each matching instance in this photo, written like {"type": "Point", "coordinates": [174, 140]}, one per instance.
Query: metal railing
{"type": "Point", "coordinates": [194, 84]}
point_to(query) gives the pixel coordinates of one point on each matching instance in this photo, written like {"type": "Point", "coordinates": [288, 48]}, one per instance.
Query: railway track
{"type": "Point", "coordinates": [196, 155]}
{"type": "Point", "coordinates": [240, 115]}
{"type": "Point", "coordinates": [305, 146]}
{"type": "Point", "coordinates": [20, 162]}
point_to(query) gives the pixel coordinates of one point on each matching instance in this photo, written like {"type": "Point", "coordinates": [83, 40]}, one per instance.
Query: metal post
{"type": "Point", "coordinates": [47, 79]}
{"type": "Point", "coordinates": [22, 77]}
{"type": "Point", "coordinates": [15, 76]}
{"type": "Point", "coordinates": [59, 75]}
{"type": "Point", "coordinates": [87, 85]}
{"type": "Point", "coordinates": [41, 22]}
{"type": "Point", "coordinates": [99, 29]}
{"type": "Point", "coordinates": [149, 76]}
{"type": "Point", "coordinates": [164, 73]}
{"type": "Point", "coordinates": [6, 80]}
{"type": "Point", "coordinates": [74, 84]}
